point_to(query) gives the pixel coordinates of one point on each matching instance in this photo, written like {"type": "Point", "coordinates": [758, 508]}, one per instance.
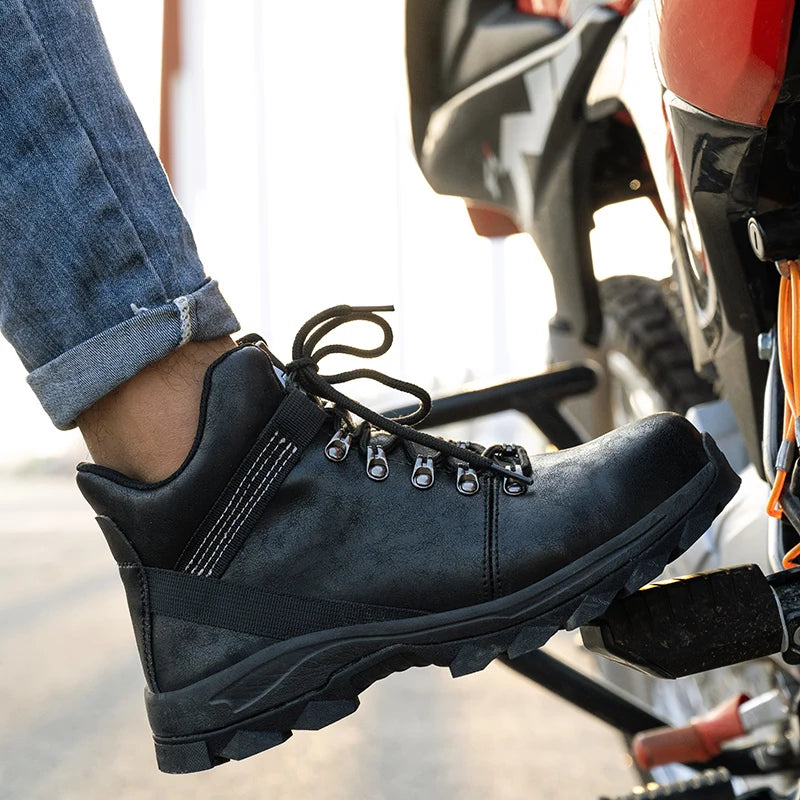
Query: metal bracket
{"type": "Point", "coordinates": [536, 397]}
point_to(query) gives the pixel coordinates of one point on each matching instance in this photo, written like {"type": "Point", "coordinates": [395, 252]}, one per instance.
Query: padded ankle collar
{"type": "Point", "coordinates": [241, 394]}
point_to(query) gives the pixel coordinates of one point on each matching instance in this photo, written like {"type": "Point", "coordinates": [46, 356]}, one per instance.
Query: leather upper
{"type": "Point", "coordinates": [332, 532]}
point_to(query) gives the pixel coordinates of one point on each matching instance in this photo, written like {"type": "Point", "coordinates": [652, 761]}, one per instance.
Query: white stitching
{"type": "Point", "coordinates": [257, 464]}
{"type": "Point", "coordinates": [258, 497]}
{"type": "Point", "coordinates": [241, 516]}
{"type": "Point", "coordinates": [287, 453]}
{"type": "Point", "coordinates": [223, 522]}
{"type": "Point", "coordinates": [236, 523]}
{"type": "Point", "coordinates": [264, 467]}
{"type": "Point", "coordinates": [186, 318]}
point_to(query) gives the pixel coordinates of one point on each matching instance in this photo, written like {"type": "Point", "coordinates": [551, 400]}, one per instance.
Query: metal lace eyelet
{"type": "Point", "coordinates": [377, 465]}
{"type": "Point", "coordinates": [467, 481]}
{"type": "Point", "coordinates": [512, 487]}
{"type": "Point", "coordinates": [422, 477]}
{"type": "Point", "coordinates": [339, 446]}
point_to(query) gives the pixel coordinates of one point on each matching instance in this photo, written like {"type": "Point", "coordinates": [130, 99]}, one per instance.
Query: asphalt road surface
{"type": "Point", "coordinates": [72, 722]}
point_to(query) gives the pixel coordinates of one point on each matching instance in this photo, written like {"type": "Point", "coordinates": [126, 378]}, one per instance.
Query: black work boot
{"type": "Point", "coordinates": [295, 558]}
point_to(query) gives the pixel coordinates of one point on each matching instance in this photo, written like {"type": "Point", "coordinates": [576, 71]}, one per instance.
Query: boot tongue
{"type": "Point", "coordinates": [240, 394]}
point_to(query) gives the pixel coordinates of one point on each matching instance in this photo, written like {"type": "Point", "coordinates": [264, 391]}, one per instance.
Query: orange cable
{"type": "Point", "coordinates": [788, 332]}
{"type": "Point", "coordinates": [784, 341]}
{"type": "Point", "coordinates": [789, 360]}
{"type": "Point", "coordinates": [773, 504]}
{"type": "Point", "coordinates": [792, 323]}
{"type": "Point", "coordinates": [789, 559]}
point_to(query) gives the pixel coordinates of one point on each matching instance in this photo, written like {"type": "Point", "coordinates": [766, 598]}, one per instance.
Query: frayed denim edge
{"type": "Point", "coordinates": [73, 381]}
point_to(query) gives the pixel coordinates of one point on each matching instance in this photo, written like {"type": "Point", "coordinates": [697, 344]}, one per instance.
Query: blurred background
{"type": "Point", "coordinates": [288, 146]}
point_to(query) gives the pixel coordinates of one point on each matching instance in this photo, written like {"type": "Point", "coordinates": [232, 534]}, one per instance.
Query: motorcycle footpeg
{"type": "Point", "coordinates": [696, 623]}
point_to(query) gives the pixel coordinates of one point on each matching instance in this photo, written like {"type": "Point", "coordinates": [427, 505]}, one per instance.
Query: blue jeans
{"type": "Point", "coordinates": [99, 275]}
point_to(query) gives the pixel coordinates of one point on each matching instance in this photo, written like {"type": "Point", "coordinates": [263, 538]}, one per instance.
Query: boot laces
{"type": "Point", "coordinates": [509, 461]}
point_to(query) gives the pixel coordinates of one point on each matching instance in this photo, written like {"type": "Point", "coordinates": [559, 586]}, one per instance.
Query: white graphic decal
{"type": "Point", "coordinates": [525, 133]}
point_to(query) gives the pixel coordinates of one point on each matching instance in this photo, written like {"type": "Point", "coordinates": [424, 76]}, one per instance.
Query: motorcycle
{"type": "Point", "coordinates": [541, 112]}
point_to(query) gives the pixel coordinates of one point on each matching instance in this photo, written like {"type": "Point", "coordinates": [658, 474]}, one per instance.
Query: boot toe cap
{"type": "Point", "coordinates": [586, 496]}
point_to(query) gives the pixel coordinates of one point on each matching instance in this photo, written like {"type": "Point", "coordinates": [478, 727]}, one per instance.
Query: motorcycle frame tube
{"type": "Point", "coordinates": [701, 167]}
{"type": "Point", "coordinates": [596, 696]}
{"type": "Point", "coordinates": [561, 186]}
{"type": "Point", "coordinates": [464, 139]}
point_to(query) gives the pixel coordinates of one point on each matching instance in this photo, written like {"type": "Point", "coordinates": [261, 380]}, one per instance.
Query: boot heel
{"type": "Point", "coordinates": [184, 757]}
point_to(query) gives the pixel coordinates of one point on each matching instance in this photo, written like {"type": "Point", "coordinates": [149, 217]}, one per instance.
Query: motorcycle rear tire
{"type": "Point", "coordinates": [642, 328]}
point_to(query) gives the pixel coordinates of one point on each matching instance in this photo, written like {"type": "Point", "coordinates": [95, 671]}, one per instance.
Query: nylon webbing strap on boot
{"type": "Point", "coordinates": [276, 451]}
{"type": "Point", "coordinates": [250, 609]}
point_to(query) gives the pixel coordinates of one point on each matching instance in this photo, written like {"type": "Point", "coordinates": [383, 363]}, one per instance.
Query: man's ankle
{"type": "Point", "coordinates": [145, 427]}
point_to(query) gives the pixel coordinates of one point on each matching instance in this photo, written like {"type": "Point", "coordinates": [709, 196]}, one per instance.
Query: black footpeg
{"type": "Point", "coordinates": [701, 622]}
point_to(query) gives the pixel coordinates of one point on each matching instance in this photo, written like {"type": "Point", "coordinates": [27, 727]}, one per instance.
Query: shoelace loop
{"type": "Point", "coordinates": [303, 371]}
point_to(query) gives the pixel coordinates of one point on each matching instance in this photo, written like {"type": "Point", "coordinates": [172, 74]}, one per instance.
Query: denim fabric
{"type": "Point", "coordinates": [99, 275]}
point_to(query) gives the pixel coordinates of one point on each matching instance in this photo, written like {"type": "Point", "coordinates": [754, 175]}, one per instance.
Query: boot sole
{"type": "Point", "coordinates": [311, 681]}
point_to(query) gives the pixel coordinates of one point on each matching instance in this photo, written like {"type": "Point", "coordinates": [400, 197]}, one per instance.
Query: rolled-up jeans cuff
{"type": "Point", "coordinates": [73, 381]}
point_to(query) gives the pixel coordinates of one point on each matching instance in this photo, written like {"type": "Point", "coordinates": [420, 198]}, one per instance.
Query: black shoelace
{"type": "Point", "coordinates": [303, 371]}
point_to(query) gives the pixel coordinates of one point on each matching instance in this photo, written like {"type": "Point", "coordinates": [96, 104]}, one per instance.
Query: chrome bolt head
{"type": "Point", "coordinates": [765, 344]}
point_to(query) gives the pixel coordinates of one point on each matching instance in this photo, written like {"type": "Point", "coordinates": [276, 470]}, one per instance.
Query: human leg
{"type": "Point", "coordinates": [99, 275]}
{"type": "Point", "coordinates": [145, 427]}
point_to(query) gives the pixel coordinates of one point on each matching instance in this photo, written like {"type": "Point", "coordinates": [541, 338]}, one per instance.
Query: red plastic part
{"type": "Point", "coordinates": [621, 6]}
{"type": "Point", "coordinates": [697, 742]}
{"type": "Point", "coordinates": [491, 221]}
{"type": "Point", "coordinates": [544, 8]}
{"type": "Point", "coordinates": [559, 9]}
{"type": "Point", "coordinates": [726, 57]}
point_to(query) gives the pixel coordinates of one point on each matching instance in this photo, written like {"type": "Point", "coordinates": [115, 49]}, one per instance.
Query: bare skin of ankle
{"type": "Point", "coordinates": [145, 427]}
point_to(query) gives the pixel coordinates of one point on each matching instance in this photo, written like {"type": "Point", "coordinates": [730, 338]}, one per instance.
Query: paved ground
{"type": "Point", "coordinates": [72, 722]}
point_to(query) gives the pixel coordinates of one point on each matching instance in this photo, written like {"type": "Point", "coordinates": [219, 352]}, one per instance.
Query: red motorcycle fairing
{"type": "Point", "coordinates": [725, 57]}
